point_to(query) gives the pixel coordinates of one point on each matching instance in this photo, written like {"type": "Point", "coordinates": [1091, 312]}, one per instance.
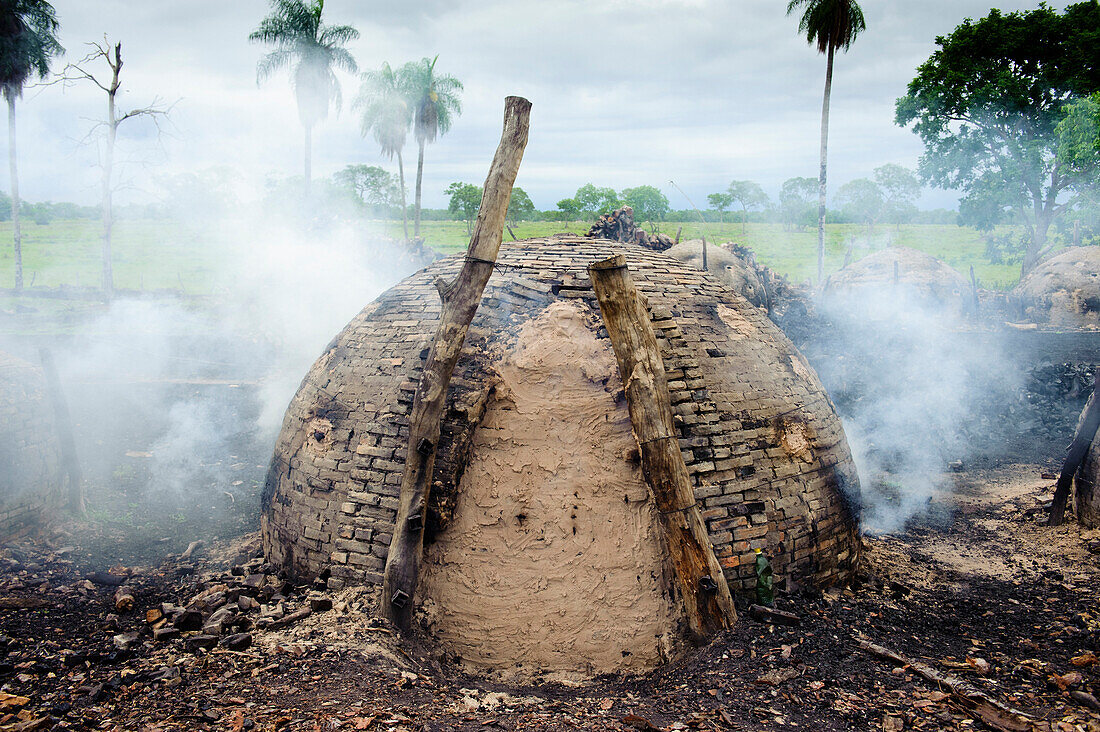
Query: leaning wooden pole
{"type": "Point", "coordinates": [708, 604]}
{"type": "Point", "coordinates": [1082, 439]}
{"type": "Point", "coordinates": [461, 298]}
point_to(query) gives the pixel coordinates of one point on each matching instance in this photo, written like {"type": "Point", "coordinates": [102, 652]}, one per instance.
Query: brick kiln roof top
{"type": "Point", "coordinates": [535, 408]}
{"type": "Point", "coordinates": [1065, 289]}
{"type": "Point", "coordinates": [918, 271]}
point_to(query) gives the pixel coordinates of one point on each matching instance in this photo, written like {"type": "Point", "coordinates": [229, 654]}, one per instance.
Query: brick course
{"type": "Point", "coordinates": [760, 437]}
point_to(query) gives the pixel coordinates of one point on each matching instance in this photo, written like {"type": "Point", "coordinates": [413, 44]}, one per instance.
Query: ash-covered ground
{"type": "Point", "coordinates": [216, 640]}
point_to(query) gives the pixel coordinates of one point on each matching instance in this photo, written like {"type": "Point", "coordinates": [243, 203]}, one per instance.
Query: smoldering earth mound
{"type": "Point", "coordinates": [1064, 290]}
{"type": "Point", "coordinates": [917, 272]}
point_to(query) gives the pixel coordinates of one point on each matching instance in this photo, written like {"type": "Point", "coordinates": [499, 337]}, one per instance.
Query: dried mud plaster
{"type": "Point", "coordinates": [554, 559]}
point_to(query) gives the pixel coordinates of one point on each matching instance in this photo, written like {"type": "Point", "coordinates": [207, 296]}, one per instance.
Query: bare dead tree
{"type": "Point", "coordinates": [156, 111]}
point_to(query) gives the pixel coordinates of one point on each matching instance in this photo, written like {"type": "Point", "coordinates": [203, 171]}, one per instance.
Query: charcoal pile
{"type": "Point", "coordinates": [74, 638]}
{"type": "Point", "coordinates": [619, 226]}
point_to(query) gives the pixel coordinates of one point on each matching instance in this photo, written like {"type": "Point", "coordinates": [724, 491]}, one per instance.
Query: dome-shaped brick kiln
{"type": "Point", "coordinates": [730, 269]}
{"type": "Point", "coordinates": [918, 273]}
{"type": "Point", "coordinates": [31, 478]}
{"type": "Point", "coordinates": [542, 545]}
{"type": "Point", "coordinates": [1064, 290]}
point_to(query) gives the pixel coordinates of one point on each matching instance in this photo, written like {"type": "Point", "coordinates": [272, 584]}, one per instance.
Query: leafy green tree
{"type": "Point", "coordinates": [796, 203]}
{"type": "Point", "coordinates": [311, 51]}
{"type": "Point", "coordinates": [750, 196]}
{"type": "Point", "coordinates": [1079, 138]}
{"type": "Point", "coordinates": [720, 202]}
{"type": "Point", "coordinates": [1079, 147]}
{"type": "Point", "coordinates": [595, 201]}
{"type": "Point", "coordinates": [28, 41]}
{"type": "Point", "coordinates": [569, 209]}
{"type": "Point", "coordinates": [987, 103]}
{"type": "Point", "coordinates": [372, 186]}
{"type": "Point", "coordinates": [862, 200]}
{"type": "Point", "coordinates": [385, 114]}
{"type": "Point", "coordinates": [435, 104]}
{"type": "Point", "coordinates": [465, 201]}
{"type": "Point", "coordinates": [900, 191]}
{"type": "Point", "coordinates": [520, 206]}
{"type": "Point", "coordinates": [831, 25]}
{"type": "Point", "coordinates": [649, 204]}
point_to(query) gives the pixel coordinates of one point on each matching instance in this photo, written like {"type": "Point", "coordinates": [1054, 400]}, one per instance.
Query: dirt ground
{"type": "Point", "coordinates": [984, 593]}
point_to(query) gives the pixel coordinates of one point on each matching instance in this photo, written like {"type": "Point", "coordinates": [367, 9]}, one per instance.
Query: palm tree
{"type": "Point", "coordinates": [386, 115]}
{"type": "Point", "coordinates": [310, 50]}
{"type": "Point", "coordinates": [831, 24]}
{"type": "Point", "coordinates": [435, 103]}
{"type": "Point", "coordinates": [28, 40]}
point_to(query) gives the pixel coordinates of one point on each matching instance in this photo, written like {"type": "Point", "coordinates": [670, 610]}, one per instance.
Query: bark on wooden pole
{"type": "Point", "coordinates": [1086, 431]}
{"type": "Point", "coordinates": [461, 298]}
{"type": "Point", "coordinates": [708, 604]}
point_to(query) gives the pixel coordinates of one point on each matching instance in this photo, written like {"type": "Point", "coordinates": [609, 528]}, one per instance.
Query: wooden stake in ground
{"type": "Point", "coordinates": [706, 596]}
{"type": "Point", "coordinates": [1086, 431]}
{"type": "Point", "coordinates": [461, 298]}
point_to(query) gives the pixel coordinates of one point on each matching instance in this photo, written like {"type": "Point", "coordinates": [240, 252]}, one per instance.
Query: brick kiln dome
{"type": "Point", "coordinates": [1064, 290]}
{"type": "Point", "coordinates": [730, 269]}
{"type": "Point", "coordinates": [31, 479]}
{"type": "Point", "coordinates": [918, 272]}
{"type": "Point", "coordinates": [542, 545]}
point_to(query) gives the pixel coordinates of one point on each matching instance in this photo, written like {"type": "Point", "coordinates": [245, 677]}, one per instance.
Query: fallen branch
{"type": "Point", "coordinates": [988, 710]}
{"type": "Point", "coordinates": [290, 619]}
{"type": "Point", "coordinates": [1082, 440]}
{"type": "Point", "coordinates": [461, 298]}
{"type": "Point", "coordinates": [777, 617]}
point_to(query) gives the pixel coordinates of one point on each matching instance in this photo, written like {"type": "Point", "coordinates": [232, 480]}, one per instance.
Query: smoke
{"type": "Point", "coordinates": [914, 386]}
{"type": "Point", "coordinates": [176, 401]}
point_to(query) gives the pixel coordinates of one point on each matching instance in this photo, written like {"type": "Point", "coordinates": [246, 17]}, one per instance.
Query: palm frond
{"type": "Point", "coordinates": [280, 58]}
{"type": "Point", "coordinates": [28, 42]}
{"type": "Point", "coordinates": [337, 35]}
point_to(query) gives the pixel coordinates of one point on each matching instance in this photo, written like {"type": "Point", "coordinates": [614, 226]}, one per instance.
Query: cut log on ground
{"type": "Point", "coordinates": [777, 617]}
{"type": "Point", "coordinates": [1086, 431]}
{"type": "Point", "coordinates": [461, 298]}
{"type": "Point", "coordinates": [984, 707]}
{"type": "Point", "coordinates": [703, 589]}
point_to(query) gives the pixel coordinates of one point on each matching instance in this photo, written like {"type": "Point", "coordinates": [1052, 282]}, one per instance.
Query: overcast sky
{"type": "Point", "coordinates": [625, 93]}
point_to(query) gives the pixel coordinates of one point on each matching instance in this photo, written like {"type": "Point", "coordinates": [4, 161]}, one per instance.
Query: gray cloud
{"type": "Point", "coordinates": [625, 93]}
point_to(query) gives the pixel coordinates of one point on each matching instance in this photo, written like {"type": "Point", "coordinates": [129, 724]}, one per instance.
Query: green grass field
{"type": "Point", "coordinates": [158, 254]}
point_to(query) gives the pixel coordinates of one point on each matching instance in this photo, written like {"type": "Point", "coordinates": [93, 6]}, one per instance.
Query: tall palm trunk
{"type": "Point", "coordinates": [308, 147]}
{"type": "Point", "coordinates": [15, 195]}
{"type": "Point", "coordinates": [404, 206]}
{"type": "Point", "coordinates": [821, 175]}
{"type": "Point", "coordinates": [419, 179]}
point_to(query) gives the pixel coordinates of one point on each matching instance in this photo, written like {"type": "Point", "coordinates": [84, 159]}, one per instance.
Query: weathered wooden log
{"type": "Point", "coordinates": [771, 615]}
{"type": "Point", "coordinates": [1082, 439]}
{"type": "Point", "coordinates": [461, 298]}
{"type": "Point", "coordinates": [124, 599]}
{"type": "Point", "coordinates": [984, 707]}
{"type": "Point", "coordinates": [708, 604]}
{"type": "Point", "coordinates": [64, 424]}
